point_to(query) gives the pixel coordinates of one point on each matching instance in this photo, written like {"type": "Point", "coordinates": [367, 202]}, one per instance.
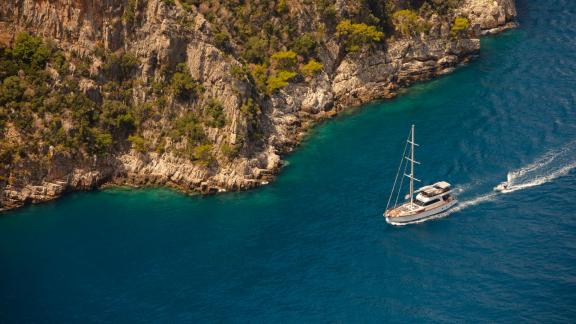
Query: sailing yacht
{"type": "Point", "coordinates": [429, 200]}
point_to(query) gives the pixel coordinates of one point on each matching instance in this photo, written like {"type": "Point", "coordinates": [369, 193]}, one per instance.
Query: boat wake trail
{"type": "Point", "coordinates": [474, 201]}
{"type": "Point", "coordinates": [541, 179]}
{"type": "Point", "coordinates": [550, 166]}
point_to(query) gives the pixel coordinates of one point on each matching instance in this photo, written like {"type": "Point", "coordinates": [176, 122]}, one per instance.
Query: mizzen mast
{"type": "Point", "coordinates": [412, 161]}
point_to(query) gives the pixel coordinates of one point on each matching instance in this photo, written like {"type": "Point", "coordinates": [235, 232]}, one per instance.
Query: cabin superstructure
{"type": "Point", "coordinates": [429, 194]}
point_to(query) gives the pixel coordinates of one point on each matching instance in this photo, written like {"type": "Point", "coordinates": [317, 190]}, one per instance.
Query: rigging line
{"type": "Point", "coordinates": [400, 187]}
{"type": "Point", "coordinates": [397, 173]}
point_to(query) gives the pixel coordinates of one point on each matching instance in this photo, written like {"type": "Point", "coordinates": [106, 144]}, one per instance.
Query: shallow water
{"type": "Point", "coordinates": [313, 246]}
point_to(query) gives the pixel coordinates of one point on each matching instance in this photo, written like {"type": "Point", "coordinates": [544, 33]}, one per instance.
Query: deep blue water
{"type": "Point", "coordinates": [313, 246]}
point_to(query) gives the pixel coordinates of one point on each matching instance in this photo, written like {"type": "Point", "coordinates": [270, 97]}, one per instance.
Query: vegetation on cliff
{"type": "Point", "coordinates": [459, 26]}
{"type": "Point", "coordinates": [45, 111]}
{"type": "Point", "coordinates": [95, 100]}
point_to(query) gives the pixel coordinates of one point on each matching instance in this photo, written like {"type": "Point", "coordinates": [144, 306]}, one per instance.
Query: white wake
{"type": "Point", "coordinates": [550, 166]}
{"type": "Point", "coordinates": [474, 201]}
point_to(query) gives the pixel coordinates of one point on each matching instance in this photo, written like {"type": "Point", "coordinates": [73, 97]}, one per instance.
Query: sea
{"type": "Point", "coordinates": [313, 246]}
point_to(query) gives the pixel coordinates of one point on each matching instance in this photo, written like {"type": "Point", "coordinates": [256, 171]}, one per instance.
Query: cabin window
{"type": "Point", "coordinates": [421, 203]}
{"type": "Point", "coordinates": [433, 201]}
{"type": "Point", "coordinates": [446, 197]}
{"type": "Point", "coordinates": [442, 189]}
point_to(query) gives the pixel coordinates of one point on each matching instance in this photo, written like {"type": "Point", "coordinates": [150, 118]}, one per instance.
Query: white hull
{"type": "Point", "coordinates": [501, 187]}
{"type": "Point", "coordinates": [421, 216]}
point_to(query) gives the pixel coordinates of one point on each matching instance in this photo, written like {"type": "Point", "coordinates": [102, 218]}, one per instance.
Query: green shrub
{"type": "Point", "coordinates": [11, 90]}
{"type": "Point", "coordinates": [203, 154]}
{"type": "Point", "coordinates": [285, 60]}
{"type": "Point", "coordinates": [215, 113]}
{"type": "Point", "coordinates": [459, 26]}
{"type": "Point", "coordinates": [279, 80]}
{"type": "Point", "coordinates": [100, 51]}
{"type": "Point", "coordinates": [407, 22]}
{"type": "Point", "coordinates": [3, 119]}
{"type": "Point", "coordinates": [189, 3]}
{"type": "Point", "coordinates": [256, 49]}
{"type": "Point", "coordinates": [188, 126]}
{"type": "Point", "coordinates": [143, 112]}
{"type": "Point", "coordinates": [116, 116]}
{"type": "Point", "coordinates": [327, 9]}
{"type": "Point", "coordinates": [83, 110]}
{"type": "Point", "coordinates": [251, 110]}
{"type": "Point", "coordinates": [160, 146]}
{"type": "Point", "coordinates": [7, 153]}
{"type": "Point", "coordinates": [238, 71]}
{"type": "Point", "coordinates": [311, 68]}
{"type": "Point", "coordinates": [356, 36]}
{"type": "Point", "coordinates": [129, 12]}
{"type": "Point", "coordinates": [82, 68]}
{"type": "Point", "coordinates": [128, 64]}
{"type": "Point", "coordinates": [222, 40]}
{"type": "Point", "coordinates": [183, 86]}
{"type": "Point", "coordinates": [59, 63]}
{"type": "Point", "coordinates": [247, 106]}
{"type": "Point", "coordinates": [230, 151]}
{"type": "Point", "coordinates": [304, 45]}
{"type": "Point", "coordinates": [103, 140]}
{"type": "Point", "coordinates": [120, 67]}
{"type": "Point", "coordinates": [260, 75]}
{"type": "Point", "coordinates": [138, 143]}
{"type": "Point", "coordinates": [55, 134]}
{"type": "Point", "coordinates": [24, 120]}
{"type": "Point", "coordinates": [30, 52]}
{"type": "Point", "coordinates": [281, 7]}
{"type": "Point", "coordinates": [8, 66]}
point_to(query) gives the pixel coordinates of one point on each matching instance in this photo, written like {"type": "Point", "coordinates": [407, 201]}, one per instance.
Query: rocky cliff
{"type": "Point", "coordinates": [210, 108]}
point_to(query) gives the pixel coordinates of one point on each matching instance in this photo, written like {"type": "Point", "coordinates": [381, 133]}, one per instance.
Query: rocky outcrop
{"type": "Point", "coordinates": [379, 75]}
{"type": "Point", "coordinates": [158, 38]}
{"type": "Point", "coordinates": [490, 16]}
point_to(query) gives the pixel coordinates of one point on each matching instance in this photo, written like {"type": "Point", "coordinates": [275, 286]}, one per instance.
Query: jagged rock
{"type": "Point", "coordinates": [491, 16]}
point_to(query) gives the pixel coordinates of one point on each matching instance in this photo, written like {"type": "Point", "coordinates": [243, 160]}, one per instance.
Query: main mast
{"type": "Point", "coordinates": [412, 167]}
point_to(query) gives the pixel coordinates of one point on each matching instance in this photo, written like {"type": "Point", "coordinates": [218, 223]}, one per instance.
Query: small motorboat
{"type": "Point", "coordinates": [502, 186]}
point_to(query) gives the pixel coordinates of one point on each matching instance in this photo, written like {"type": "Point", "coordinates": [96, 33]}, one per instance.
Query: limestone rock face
{"type": "Point", "coordinates": [159, 40]}
{"type": "Point", "coordinates": [492, 16]}
{"type": "Point", "coordinates": [377, 75]}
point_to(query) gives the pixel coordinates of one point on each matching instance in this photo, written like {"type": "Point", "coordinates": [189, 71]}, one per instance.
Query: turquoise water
{"type": "Point", "coordinates": [313, 246]}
